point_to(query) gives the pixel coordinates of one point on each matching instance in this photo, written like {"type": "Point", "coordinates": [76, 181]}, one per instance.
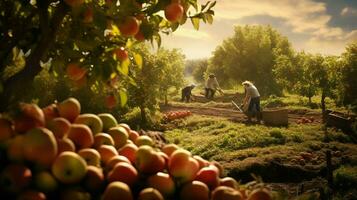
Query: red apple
{"type": "Point", "coordinates": [260, 194]}
{"type": "Point", "coordinates": [30, 116]}
{"type": "Point", "coordinates": [182, 166]}
{"type": "Point", "coordinates": [168, 149]}
{"type": "Point", "coordinates": [88, 15]}
{"type": "Point", "coordinates": [194, 190]}
{"type": "Point", "coordinates": [65, 144]}
{"type": "Point", "coordinates": [116, 190]}
{"type": "Point", "coordinates": [129, 26]}
{"type": "Point", "coordinates": [174, 12]}
{"type": "Point", "coordinates": [123, 172]}
{"type": "Point", "coordinates": [229, 182]}
{"type": "Point", "coordinates": [69, 109]}
{"type": "Point", "coordinates": [115, 160]}
{"type": "Point", "coordinates": [15, 177]}
{"type": "Point", "coordinates": [209, 176]}
{"type": "Point", "coordinates": [163, 182]}
{"type": "Point", "coordinates": [81, 135]}
{"type": "Point", "coordinates": [94, 179]}
{"type": "Point", "coordinates": [50, 112]}
{"type": "Point", "coordinates": [226, 193]}
{"type": "Point", "coordinates": [129, 151]}
{"type": "Point", "coordinates": [110, 101]}
{"type": "Point", "coordinates": [59, 126]}
{"type": "Point", "coordinates": [150, 194]}
{"type": "Point", "coordinates": [75, 72]}
{"type": "Point", "coordinates": [121, 54]}
{"type": "Point", "coordinates": [107, 152]}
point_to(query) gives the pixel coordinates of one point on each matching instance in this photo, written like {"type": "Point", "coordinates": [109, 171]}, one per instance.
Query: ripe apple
{"type": "Point", "coordinates": [133, 135]}
{"type": "Point", "coordinates": [91, 156]}
{"type": "Point", "coordinates": [69, 167]}
{"type": "Point", "coordinates": [174, 12]}
{"type": "Point", "coordinates": [91, 120]}
{"type": "Point", "coordinates": [202, 162]}
{"type": "Point", "coordinates": [107, 152]}
{"type": "Point", "coordinates": [129, 151]}
{"type": "Point", "coordinates": [108, 120]}
{"type": "Point", "coordinates": [209, 176]}
{"type": "Point", "coordinates": [15, 150]}
{"type": "Point", "coordinates": [75, 72]}
{"type": "Point", "coordinates": [80, 82]}
{"type": "Point", "coordinates": [129, 26]}
{"type": "Point", "coordinates": [65, 144]}
{"type": "Point", "coordinates": [94, 179]}
{"type": "Point", "coordinates": [110, 101]}
{"type": "Point", "coordinates": [88, 15]}
{"type": "Point", "coordinates": [123, 172]}
{"type": "Point", "coordinates": [115, 160]}
{"type": "Point", "coordinates": [144, 140]}
{"type": "Point", "coordinates": [121, 54]}
{"type": "Point", "coordinates": [168, 149]}
{"type": "Point", "coordinates": [40, 146]}
{"type": "Point", "coordinates": [139, 36]}
{"type": "Point", "coordinates": [226, 193]}
{"type": "Point", "coordinates": [50, 112]}
{"type": "Point", "coordinates": [194, 190]}
{"type": "Point", "coordinates": [59, 126]}
{"type": "Point", "coordinates": [150, 193]}
{"type": "Point", "coordinates": [6, 129]}
{"type": "Point", "coordinates": [260, 194]}
{"type": "Point", "coordinates": [74, 193]}
{"type": "Point", "coordinates": [74, 3]}
{"type": "Point", "coordinates": [102, 139]}
{"type": "Point", "coordinates": [148, 161]}
{"type": "Point", "coordinates": [126, 126]}
{"type": "Point", "coordinates": [229, 182]}
{"type": "Point", "coordinates": [30, 116]}
{"type": "Point", "coordinates": [31, 195]}
{"type": "Point", "coordinates": [15, 177]}
{"type": "Point", "coordinates": [163, 182]}
{"type": "Point", "coordinates": [45, 181]}
{"type": "Point", "coordinates": [69, 109]}
{"type": "Point", "coordinates": [81, 135]}
{"type": "Point", "coordinates": [119, 135]}
{"type": "Point", "coordinates": [219, 167]}
{"type": "Point", "coordinates": [182, 166]}
{"type": "Point", "coordinates": [116, 190]}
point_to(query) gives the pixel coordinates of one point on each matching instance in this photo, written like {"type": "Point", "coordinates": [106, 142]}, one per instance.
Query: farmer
{"type": "Point", "coordinates": [186, 93]}
{"type": "Point", "coordinates": [211, 86]}
{"type": "Point", "coordinates": [251, 102]}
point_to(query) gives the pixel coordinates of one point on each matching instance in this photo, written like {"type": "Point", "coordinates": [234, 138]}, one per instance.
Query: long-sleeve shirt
{"type": "Point", "coordinates": [212, 83]}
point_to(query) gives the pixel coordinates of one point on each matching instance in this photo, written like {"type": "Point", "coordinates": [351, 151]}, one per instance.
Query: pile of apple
{"type": "Point", "coordinates": [58, 153]}
{"type": "Point", "coordinates": [305, 120]}
{"type": "Point", "coordinates": [172, 115]}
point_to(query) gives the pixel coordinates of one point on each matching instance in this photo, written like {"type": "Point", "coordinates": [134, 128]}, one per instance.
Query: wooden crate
{"type": "Point", "coordinates": [339, 120]}
{"type": "Point", "coordinates": [277, 117]}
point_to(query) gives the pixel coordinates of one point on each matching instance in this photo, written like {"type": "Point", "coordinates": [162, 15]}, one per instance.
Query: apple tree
{"type": "Point", "coordinates": [87, 41]}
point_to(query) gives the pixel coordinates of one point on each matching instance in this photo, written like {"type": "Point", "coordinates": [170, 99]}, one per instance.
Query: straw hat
{"type": "Point", "coordinates": [247, 83]}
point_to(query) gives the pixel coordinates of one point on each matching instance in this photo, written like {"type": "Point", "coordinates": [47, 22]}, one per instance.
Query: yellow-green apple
{"type": "Point", "coordinates": [91, 156]}
{"type": "Point", "coordinates": [260, 194]}
{"type": "Point", "coordinates": [45, 181]}
{"type": "Point", "coordinates": [133, 135]}
{"type": "Point", "coordinates": [108, 120]}
{"type": "Point", "coordinates": [31, 195]}
{"type": "Point", "coordinates": [40, 147]}
{"type": "Point", "coordinates": [69, 167]}
{"type": "Point", "coordinates": [121, 54]}
{"type": "Point", "coordinates": [65, 144]}
{"type": "Point", "coordinates": [103, 139]}
{"type": "Point", "coordinates": [115, 160]}
{"type": "Point", "coordinates": [149, 161]}
{"type": "Point", "coordinates": [74, 3]}
{"type": "Point", "coordinates": [194, 190]}
{"type": "Point", "coordinates": [150, 194]}
{"type": "Point", "coordinates": [123, 172]}
{"type": "Point", "coordinates": [129, 151]}
{"type": "Point", "coordinates": [94, 179]}
{"type": "Point", "coordinates": [15, 151]}
{"type": "Point", "coordinates": [69, 109]}
{"type": "Point", "coordinates": [174, 12]}
{"type": "Point", "coordinates": [168, 149]}
{"type": "Point", "coordinates": [129, 26]}
{"type": "Point", "coordinates": [229, 182]}
{"type": "Point", "coordinates": [59, 126]}
{"type": "Point", "coordinates": [107, 152]}
{"type": "Point", "coordinates": [81, 135]}
{"type": "Point", "coordinates": [88, 15]}
{"type": "Point", "coordinates": [74, 193]}
{"type": "Point", "coordinates": [209, 176]}
{"type": "Point", "coordinates": [6, 129]}
{"type": "Point", "coordinates": [15, 177]}
{"type": "Point", "coordinates": [116, 190]}
{"type": "Point", "coordinates": [182, 166]}
{"type": "Point", "coordinates": [202, 162]}
{"type": "Point", "coordinates": [144, 140]}
{"type": "Point", "coordinates": [75, 72]}
{"type": "Point", "coordinates": [91, 120]}
{"type": "Point", "coordinates": [162, 182]}
{"type": "Point", "coordinates": [126, 126]}
{"type": "Point", "coordinates": [29, 116]}
{"type": "Point", "coordinates": [50, 112]}
{"type": "Point", "coordinates": [119, 135]}
{"type": "Point", "coordinates": [226, 193]}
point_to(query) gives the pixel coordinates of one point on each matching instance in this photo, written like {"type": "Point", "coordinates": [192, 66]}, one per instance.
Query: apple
{"type": "Point", "coordinates": [45, 181]}
{"type": "Point", "coordinates": [65, 144]}
{"type": "Point", "coordinates": [94, 179]}
{"type": "Point", "coordinates": [6, 129]}
{"type": "Point", "coordinates": [15, 177]}
{"type": "Point", "coordinates": [116, 190]}
{"type": "Point", "coordinates": [91, 156]}
{"type": "Point", "coordinates": [75, 72]}
{"type": "Point", "coordinates": [69, 167]}
{"type": "Point", "coordinates": [209, 176]}
{"type": "Point", "coordinates": [163, 182]}
{"type": "Point", "coordinates": [139, 36]}
{"type": "Point", "coordinates": [229, 182]}
{"type": "Point", "coordinates": [174, 12]}
{"type": "Point", "coordinates": [59, 126]}
{"type": "Point", "coordinates": [194, 190]}
{"type": "Point", "coordinates": [40, 146]}
{"type": "Point", "coordinates": [148, 161]}
{"type": "Point", "coordinates": [102, 139]}
{"type": "Point", "coordinates": [91, 120]}
{"type": "Point", "coordinates": [30, 116]}
{"type": "Point", "coordinates": [107, 152]}
{"type": "Point", "coordinates": [133, 135]}
{"type": "Point", "coordinates": [182, 166]}
{"type": "Point", "coordinates": [81, 135]}
{"type": "Point", "coordinates": [119, 135]}
{"type": "Point", "coordinates": [150, 194]}
{"type": "Point", "coordinates": [129, 151]}
{"type": "Point", "coordinates": [123, 172]}
{"type": "Point", "coordinates": [144, 140]}
{"type": "Point", "coordinates": [126, 126]}
{"type": "Point", "coordinates": [74, 3]}
{"type": "Point", "coordinates": [80, 82]}
{"type": "Point", "coordinates": [69, 109]}
{"type": "Point", "coordinates": [31, 195]}
{"type": "Point", "coordinates": [202, 162]}
{"type": "Point", "coordinates": [50, 112]}
{"type": "Point", "coordinates": [108, 120]}
{"type": "Point", "coordinates": [260, 194]}
{"type": "Point", "coordinates": [88, 15]}
{"type": "Point", "coordinates": [168, 149]}
{"type": "Point", "coordinates": [15, 150]}
{"type": "Point", "coordinates": [115, 160]}
{"type": "Point", "coordinates": [121, 54]}
{"type": "Point", "coordinates": [219, 167]}
{"type": "Point", "coordinates": [129, 26]}
{"type": "Point", "coordinates": [226, 193]}
{"type": "Point", "coordinates": [110, 101]}
{"type": "Point", "coordinates": [74, 193]}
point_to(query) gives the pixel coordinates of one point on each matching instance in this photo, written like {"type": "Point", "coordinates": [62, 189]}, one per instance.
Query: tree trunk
{"type": "Point", "coordinates": [323, 106]}
{"type": "Point", "coordinates": [166, 101]}
{"type": "Point", "coordinates": [310, 102]}
{"type": "Point", "coordinates": [143, 114]}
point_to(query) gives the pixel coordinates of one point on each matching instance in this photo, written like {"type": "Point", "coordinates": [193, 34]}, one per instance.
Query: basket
{"type": "Point", "coordinates": [275, 117]}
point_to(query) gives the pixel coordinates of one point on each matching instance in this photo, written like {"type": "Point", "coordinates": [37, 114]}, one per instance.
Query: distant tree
{"type": "Point", "coordinates": [349, 74]}
{"type": "Point", "coordinates": [200, 70]}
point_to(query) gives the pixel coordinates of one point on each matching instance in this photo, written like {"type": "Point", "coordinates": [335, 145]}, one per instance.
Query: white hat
{"type": "Point", "coordinates": [247, 83]}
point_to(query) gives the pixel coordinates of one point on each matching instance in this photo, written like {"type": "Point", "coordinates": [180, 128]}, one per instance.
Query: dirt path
{"type": "Point", "coordinates": [236, 116]}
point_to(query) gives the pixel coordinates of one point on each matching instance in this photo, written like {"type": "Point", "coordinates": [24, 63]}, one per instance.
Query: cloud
{"type": "Point", "coordinates": [192, 34]}
{"type": "Point", "coordinates": [348, 11]}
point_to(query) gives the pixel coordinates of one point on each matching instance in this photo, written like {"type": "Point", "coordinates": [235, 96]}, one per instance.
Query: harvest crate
{"type": "Point", "coordinates": [276, 117]}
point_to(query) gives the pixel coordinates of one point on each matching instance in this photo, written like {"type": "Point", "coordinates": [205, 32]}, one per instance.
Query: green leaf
{"type": "Point", "coordinates": [209, 18]}
{"type": "Point", "coordinates": [138, 60]}
{"type": "Point", "coordinates": [212, 4]}
{"type": "Point", "coordinates": [195, 22]}
{"type": "Point", "coordinates": [174, 26]}
{"type": "Point", "coordinates": [204, 6]}
{"type": "Point", "coordinates": [123, 98]}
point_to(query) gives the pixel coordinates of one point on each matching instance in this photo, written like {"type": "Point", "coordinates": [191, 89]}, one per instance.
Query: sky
{"type": "Point", "coordinates": [315, 26]}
